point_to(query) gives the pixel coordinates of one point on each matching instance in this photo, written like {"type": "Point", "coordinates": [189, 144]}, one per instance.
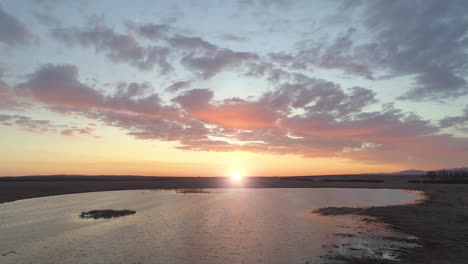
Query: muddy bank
{"type": "Point", "coordinates": [440, 222]}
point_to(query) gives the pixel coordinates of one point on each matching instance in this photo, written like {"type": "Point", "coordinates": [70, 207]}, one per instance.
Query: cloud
{"type": "Point", "coordinates": [208, 65]}
{"type": "Point", "coordinates": [150, 128]}
{"type": "Point", "coordinates": [458, 122]}
{"type": "Point", "coordinates": [197, 55]}
{"type": "Point", "coordinates": [27, 123]}
{"type": "Point", "coordinates": [8, 98]}
{"type": "Point", "coordinates": [149, 30]}
{"type": "Point", "coordinates": [117, 47]}
{"type": "Point", "coordinates": [300, 115]}
{"type": "Point", "coordinates": [149, 117]}
{"type": "Point", "coordinates": [231, 114]}
{"type": "Point", "coordinates": [74, 131]}
{"type": "Point", "coordinates": [12, 31]}
{"type": "Point", "coordinates": [308, 94]}
{"type": "Point", "coordinates": [191, 43]}
{"type": "Point", "coordinates": [206, 59]}
{"type": "Point", "coordinates": [233, 37]}
{"type": "Point", "coordinates": [238, 115]}
{"type": "Point", "coordinates": [340, 53]}
{"type": "Point", "coordinates": [47, 4]}
{"type": "Point", "coordinates": [436, 150]}
{"type": "Point", "coordinates": [383, 127]}
{"type": "Point", "coordinates": [436, 83]}
{"type": "Point", "coordinates": [177, 86]}
{"type": "Point", "coordinates": [195, 99]}
{"type": "Point", "coordinates": [59, 86]}
{"type": "Point", "coordinates": [282, 4]}
{"type": "Point", "coordinates": [426, 40]}
{"type": "Point", "coordinates": [47, 19]}
{"type": "Point", "coordinates": [318, 96]}
{"type": "Point", "coordinates": [133, 89]}
{"type": "Point", "coordinates": [40, 126]}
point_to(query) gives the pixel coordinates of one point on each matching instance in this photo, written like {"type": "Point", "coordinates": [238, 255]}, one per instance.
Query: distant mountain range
{"type": "Point", "coordinates": [423, 172]}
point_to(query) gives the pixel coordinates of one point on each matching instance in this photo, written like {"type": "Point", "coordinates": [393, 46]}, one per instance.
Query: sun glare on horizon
{"type": "Point", "coordinates": [236, 176]}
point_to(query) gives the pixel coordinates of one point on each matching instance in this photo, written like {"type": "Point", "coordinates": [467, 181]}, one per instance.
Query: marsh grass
{"type": "Point", "coordinates": [184, 191]}
{"type": "Point", "coordinates": [192, 191]}
{"type": "Point", "coordinates": [340, 210]}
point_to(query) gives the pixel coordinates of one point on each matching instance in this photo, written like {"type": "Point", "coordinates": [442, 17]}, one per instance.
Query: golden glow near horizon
{"type": "Point", "coordinates": [117, 154]}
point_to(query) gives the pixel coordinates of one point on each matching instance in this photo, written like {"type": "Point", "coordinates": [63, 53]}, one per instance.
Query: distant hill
{"type": "Point", "coordinates": [410, 172]}
{"type": "Point", "coordinates": [423, 172]}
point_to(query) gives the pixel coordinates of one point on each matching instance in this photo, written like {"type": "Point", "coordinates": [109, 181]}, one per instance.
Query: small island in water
{"type": "Point", "coordinates": [107, 213]}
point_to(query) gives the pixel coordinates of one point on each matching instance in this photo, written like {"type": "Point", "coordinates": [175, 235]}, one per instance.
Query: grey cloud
{"type": "Point", "coordinates": [319, 96]}
{"type": "Point", "coordinates": [436, 83]}
{"type": "Point", "coordinates": [59, 86]}
{"type": "Point", "coordinates": [177, 86]}
{"type": "Point", "coordinates": [117, 47]}
{"type": "Point", "coordinates": [39, 125]}
{"type": "Point", "coordinates": [424, 39]}
{"type": "Point", "coordinates": [12, 31]}
{"type": "Point", "coordinates": [337, 54]}
{"type": "Point", "coordinates": [47, 19]}
{"type": "Point", "coordinates": [133, 89]}
{"type": "Point", "coordinates": [150, 128]}
{"type": "Point", "coordinates": [389, 126]}
{"type": "Point", "coordinates": [233, 37]}
{"type": "Point", "coordinates": [456, 121]}
{"type": "Point", "coordinates": [267, 3]}
{"type": "Point", "coordinates": [196, 54]}
{"type": "Point", "coordinates": [8, 97]}
{"type": "Point", "coordinates": [149, 30]}
{"type": "Point", "coordinates": [195, 98]}
{"type": "Point", "coordinates": [191, 44]}
{"type": "Point", "coordinates": [260, 69]}
{"type": "Point", "coordinates": [209, 65]}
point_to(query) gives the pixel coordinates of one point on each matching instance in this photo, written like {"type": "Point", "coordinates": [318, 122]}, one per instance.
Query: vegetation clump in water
{"type": "Point", "coordinates": [107, 213]}
{"type": "Point", "coordinates": [192, 190]}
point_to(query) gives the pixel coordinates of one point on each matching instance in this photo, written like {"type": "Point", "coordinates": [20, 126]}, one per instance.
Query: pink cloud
{"type": "Point", "coordinates": [306, 116]}
{"type": "Point", "coordinates": [231, 114]}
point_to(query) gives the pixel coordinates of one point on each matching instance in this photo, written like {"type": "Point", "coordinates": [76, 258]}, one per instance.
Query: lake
{"type": "Point", "coordinates": [233, 225]}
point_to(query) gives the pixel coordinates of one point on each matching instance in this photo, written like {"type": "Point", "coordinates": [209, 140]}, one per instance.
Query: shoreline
{"type": "Point", "coordinates": [440, 221]}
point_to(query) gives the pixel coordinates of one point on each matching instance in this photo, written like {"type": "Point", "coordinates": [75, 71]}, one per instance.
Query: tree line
{"type": "Point", "coordinates": [447, 173]}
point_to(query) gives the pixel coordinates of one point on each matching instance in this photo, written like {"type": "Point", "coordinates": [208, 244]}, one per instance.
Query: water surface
{"type": "Point", "coordinates": [224, 226]}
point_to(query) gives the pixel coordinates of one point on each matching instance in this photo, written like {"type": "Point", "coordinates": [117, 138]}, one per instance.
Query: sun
{"type": "Point", "coordinates": [236, 176]}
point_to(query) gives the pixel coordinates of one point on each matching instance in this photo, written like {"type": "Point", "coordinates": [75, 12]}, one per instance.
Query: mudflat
{"type": "Point", "coordinates": [440, 221]}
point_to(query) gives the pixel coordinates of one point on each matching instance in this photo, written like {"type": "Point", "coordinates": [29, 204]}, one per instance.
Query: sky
{"type": "Point", "coordinates": [210, 88]}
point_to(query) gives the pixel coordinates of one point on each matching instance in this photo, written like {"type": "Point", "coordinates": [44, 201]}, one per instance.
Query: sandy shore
{"type": "Point", "coordinates": [441, 221]}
